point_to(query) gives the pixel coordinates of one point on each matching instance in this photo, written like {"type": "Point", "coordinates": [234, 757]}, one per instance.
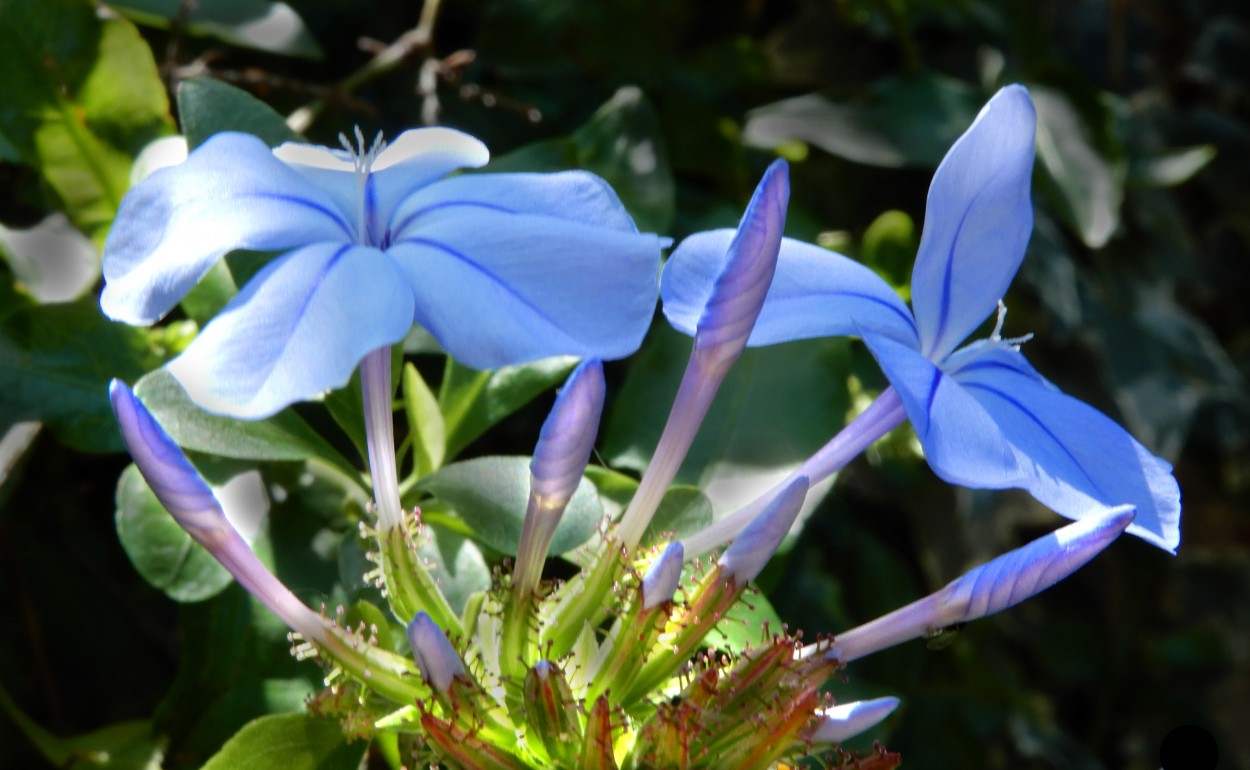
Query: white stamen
{"type": "Point", "coordinates": [997, 336]}
{"type": "Point", "coordinates": [363, 160]}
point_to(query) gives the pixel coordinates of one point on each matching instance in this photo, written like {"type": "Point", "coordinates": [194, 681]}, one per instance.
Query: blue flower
{"type": "Point", "coordinates": [985, 417]}
{"type": "Point", "coordinates": [500, 268]}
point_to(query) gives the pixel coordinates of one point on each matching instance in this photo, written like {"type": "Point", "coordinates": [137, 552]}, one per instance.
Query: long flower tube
{"type": "Point", "coordinates": [183, 493]}
{"type": "Point", "coordinates": [728, 314]}
{"type": "Point", "coordinates": [989, 588]}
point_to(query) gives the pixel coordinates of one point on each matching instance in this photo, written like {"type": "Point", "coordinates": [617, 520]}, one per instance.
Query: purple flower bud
{"type": "Point", "coordinates": [188, 499]}
{"type": "Point", "coordinates": [738, 294]}
{"type": "Point", "coordinates": [750, 551]}
{"type": "Point", "coordinates": [991, 587]}
{"type": "Point", "coordinates": [662, 578]}
{"type": "Point", "coordinates": [1024, 572]}
{"type": "Point", "coordinates": [564, 447]}
{"type": "Point", "coordinates": [438, 660]}
{"type": "Point", "coordinates": [847, 720]}
{"type": "Point", "coordinates": [568, 436]}
{"type": "Point", "coordinates": [166, 469]}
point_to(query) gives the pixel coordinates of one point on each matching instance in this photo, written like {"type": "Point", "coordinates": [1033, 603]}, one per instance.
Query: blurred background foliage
{"type": "Point", "coordinates": [118, 651]}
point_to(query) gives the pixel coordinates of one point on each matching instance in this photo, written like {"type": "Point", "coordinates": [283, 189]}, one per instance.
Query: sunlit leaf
{"type": "Point", "coordinates": [285, 436]}
{"type": "Point", "coordinates": [289, 742]}
{"type": "Point", "coordinates": [269, 26]}
{"type": "Point", "coordinates": [473, 401]}
{"type": "Point", "coordinates": [82, 98]}
{"type": "Point", "coordinates": [490, 494]}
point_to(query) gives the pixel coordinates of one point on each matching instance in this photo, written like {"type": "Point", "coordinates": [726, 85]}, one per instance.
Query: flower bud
{"type": "Point", "coordinates": [439, 662]}
{"type": "Point", "coordinates": [847, 720]}
{"type": "Point", "coordinates": [755, 545]}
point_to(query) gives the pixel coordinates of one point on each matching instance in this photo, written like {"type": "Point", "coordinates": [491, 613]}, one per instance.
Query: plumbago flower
{"type": "Point", "coordinates": [613, 668]}
{"type": "Point", "coordinates": [500, 268]}
{"type": "Point", "coordinates": [985, 417]}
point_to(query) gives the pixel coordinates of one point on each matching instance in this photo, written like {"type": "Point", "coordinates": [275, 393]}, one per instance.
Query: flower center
{"type": "Point", "coordinates": [363, 160]}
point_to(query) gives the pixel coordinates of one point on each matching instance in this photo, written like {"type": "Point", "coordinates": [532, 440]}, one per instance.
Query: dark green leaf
{"type": "Point", "coordinates": [458, 565]}
{"type": "Point", "coordinates": [285, 436]}
{"type": "Point", "coordinates": [161, 550]}
{"type": "Point", "coordinates": [490, 495]}
{"type": "Point", "coordinates": [270, 26]}
{"type": "Point", "coordinates": [1089, 185]}
{"type": "Point", "coordinates": [208, 106]}
{"type": "Point", "coordinates": [55, 365]}
{"type": "Point", "coordinates": [82, 97]}
{"type": "Point", "coordinates": [123, 746]}
{"type": "Point", "coordinates": [289, 742]}
{"type": "Point", "coordinates": [905, 121]}
{"type": "Point", "coordinates": [473, 401]}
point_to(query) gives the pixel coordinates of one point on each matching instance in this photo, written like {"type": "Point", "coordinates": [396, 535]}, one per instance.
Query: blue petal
{"type": "Point", "coordinates": [1074, 456]}
{"type": "Point", "coordinates": [231, 193]}
{"type": "Point", "coordinates": [815, 293]}
{"type": "Point", "coordinates": [510, 268]}
{"type": "Point", "coordinates": [416, 159]}
{"type": "Point", "coordinates": [298, 328]}
{"type": "Point", "coordinates": [962, 442]}
{"type": "Point", "coordinates": [977, 223]}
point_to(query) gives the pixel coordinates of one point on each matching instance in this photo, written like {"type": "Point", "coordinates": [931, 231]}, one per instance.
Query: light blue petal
{"type": "Point", "coordinates": [231, 193]}
{"type": "Point", "coordinates": [815, 293]}
{"type": "Point", "coordinates": [414, 160]}
{"type": "Point", "coordinates": [573, 196]}
{"type": "Point", "coordinates": [1075, 457]}
{"type": "Point", "coordinates": [510, 268]}
{"type": "Point", "coordinates": [962, 442]}
{"type": "Point", "coordinates": [977, 223]}
{"type": "Point", "coordinates": [298, 328]}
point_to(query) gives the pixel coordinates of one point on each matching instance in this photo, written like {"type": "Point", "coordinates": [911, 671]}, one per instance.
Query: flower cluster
{"type": "Point", "coordinates": [612, 668]}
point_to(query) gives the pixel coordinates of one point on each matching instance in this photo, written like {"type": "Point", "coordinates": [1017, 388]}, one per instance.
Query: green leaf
{"type": "Point", "coordinates": [82, 98]}
{"type": "Point", "coordinates": [622, 143]}
{"type": "Point", "coordinates": [162, 552]}
{"type": "Point", "coordinates": [425, 423]}
{"type": "Point", "coordinates": [1170, 167]}
{"type": "Point", "coordinates": [904, 121]}
{"type": "Point", "coordinates": [889, 248]}
{"type": "Point", "coordinates": [55, 365]}
{"type": "Point", "coordinates": [473, 401]}
{"type": "Point", "coordinates": [1089, 185]}
{"type": "Point", "coordinates": [285, 436]}
{"type": "Point", "coordinates": [208, 106]}
{"type": "Point", "coordinates": [457, 565]}
{"type": "Point", "coordinates": [269, 26]}
{"type": "Point", "coordinates": [289, 742]}
{"type": "Point", "coordinates": [777, 406]}
{"type": "Point", "coordinates": [122, 746]}
{"type": "Point", "coordinates": [490, 495]}
{"type": "Point", "coordinates": [745, 623]}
